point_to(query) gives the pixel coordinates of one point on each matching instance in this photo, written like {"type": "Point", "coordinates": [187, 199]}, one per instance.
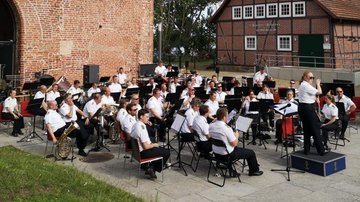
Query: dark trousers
{"type": "Point", "coordinates": [242, 153]}
{"type": "Point", "coordinates": [81, 135]}
{"type": "Point", "coordinates": [161, 126]}
{"type": "Point", "coordinates": [18, 123]}
{"type": "Point", "coordinates": [204, 147]}
{"type": "Point", "coordinates": [311, 127]}
{"type": "Point", "coordinates": [344, 124]}
{"type": "Point", "coordinates": [326, 129]}
{"type": "Point", "coordinates": [268, 116]}
{"type": "Point", "coordinates": [153, 152]}
{"type": "Point", "coordinates": [278, 128]}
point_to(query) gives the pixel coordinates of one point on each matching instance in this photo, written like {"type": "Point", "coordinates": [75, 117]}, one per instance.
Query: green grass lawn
{"type": "Point", "coordinates": [27, 177]}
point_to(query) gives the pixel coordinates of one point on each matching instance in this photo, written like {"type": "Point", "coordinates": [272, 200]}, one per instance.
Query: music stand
{"type": "Point", "coordinates": [104, 79]}
{"type": "Point", "coordinates": [179, 89]}
{"type": "Point", "coordinates": [172, 74]}
{"type": "Point", "coordinates": [270, 84]}
{"type": "Point", "coordinates": [283, 91]}
{"type": "Point", "coordinates": [243, 124]}
{"type": "Point", "coordinates": [30, 86]}
{"type": "Point", "coordinates": [99, 145]}
{"type": "Point", "coordinates": [48, 81]}
{"type": "Point", "coordinates": [145, 90]}
{"type": "Point", "coordinates": [33, 105]}
{"type": "Point", "coordinates": [233, 102]}
{"type": "Point", "coordinates": [116, 96]}
{"type": "Point", "coordinates": [170, 97]}
{"type": "Point", "coordinates": [130, 91]}
{"type": "Point", "coordinates": [287, 110]}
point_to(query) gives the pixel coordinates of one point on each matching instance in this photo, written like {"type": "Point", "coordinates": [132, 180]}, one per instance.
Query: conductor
{"type": "Point", "coordinates": [311, 123]}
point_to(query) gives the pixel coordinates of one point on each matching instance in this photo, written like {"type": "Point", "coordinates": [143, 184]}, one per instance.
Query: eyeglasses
{"type": "Point", "coordinates": [311, 77]}
{"type": "Point", "coordinates": [339, 91]}
{"type": "Point", "coordinates": [219, 86]}
{"type": "Point", "coordinates": [136, 98]}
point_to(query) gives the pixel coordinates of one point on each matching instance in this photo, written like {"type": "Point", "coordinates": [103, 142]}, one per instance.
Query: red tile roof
{"type": "Point", "coordinates": [337, 9]}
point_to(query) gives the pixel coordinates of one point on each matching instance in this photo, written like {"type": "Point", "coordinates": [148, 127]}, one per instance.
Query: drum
{"type": "Point", "coordinates": [287, 127]}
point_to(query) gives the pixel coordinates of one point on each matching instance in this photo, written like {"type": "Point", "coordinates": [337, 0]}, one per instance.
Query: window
{"type": "Point", "coordinates": [248, 12]}
{"type": "Point", "coordinates": [299, 9]}
{"type": "Point", "coordinates": [284, 43]}
{"type": "Point", "coordinates": [260, 11]}
{"type": "Point", "coordinates": [250, 42]}
{"type": "Point", "coordinates": [285, 9]}
{"type": "Point", "coordinates": [271, 10]}
{"type": "Point", "coordinates": [237, 12]}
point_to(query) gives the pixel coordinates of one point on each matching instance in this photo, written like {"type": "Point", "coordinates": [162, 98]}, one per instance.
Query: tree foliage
{"type": "Point", "coordinates": [185, 27]}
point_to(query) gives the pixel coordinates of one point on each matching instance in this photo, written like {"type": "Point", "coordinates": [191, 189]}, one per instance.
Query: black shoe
{"type": "Point", "coordinates": [233, 173]}
{"type": "Point", "coordinates": [151, 173]}
{"type": "Point", "coordinates": [14, 134]}
{"type": "Point", "coordinates": [257, 173]}
{"type": "Point", "coordinates": [276, 142]}
{"type": "Point", "coordinates": [20, 133]}
{"type": "Point", "coordinates": [253, 142]}
{"type": "Point", "coordinates": [325, 152]}
{"type": "Point", "coordinates": [82, 152]}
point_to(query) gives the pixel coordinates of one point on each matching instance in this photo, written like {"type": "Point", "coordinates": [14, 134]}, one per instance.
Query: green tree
{"type": "Point", "coordinates": [185, 25]}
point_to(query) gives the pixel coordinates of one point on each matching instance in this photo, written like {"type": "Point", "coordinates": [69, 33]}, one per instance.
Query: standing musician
{"type": "Point", "coordinates": [133, 83]}
{"type": "Point", "coordinates": [213, 104]}
{"type": "Point", "coordinates": [115, 86]}
{"type": "Point", "coordinates": [11, 111]}
{"type": "Point", "coordinates": [68, 111]}
{"type": "Point", "coordinates": [251, 114]}
{"type": "Point", "coordinates": [56, 126]}
{"type": "Point", "coordinates": [122, 78]}
{"type": "Point", "coordinates": [349, 108]}
{"type": "Point", "coordinates": [330, 112]}
{"type": "Point", "coordinates": [266, 94]}
{"type": "Point", "coordinates": [147, 148]}
{"type": "Point", "coordinates": [201, 127]}
{"type": "Point", "coordinates": [259, 76]}
{"type": "Point", "coordinates": [221, 131]}
{"type": "Point", "coordinates": [278, 124]}
{"type": "Point", "coordinates": [94, 89]}
{"type": "Point", "coordinates": [54, 93]}
{"type": "Point", "coordinates": [220, 94]}
{"type": "Point", "coordinates": [156, 108]}
{"type": "Point", "coordinates": [307, 113]}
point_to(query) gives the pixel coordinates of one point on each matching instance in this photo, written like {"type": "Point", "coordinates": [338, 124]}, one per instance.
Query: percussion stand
{"type": "Point", "coordinates": [285, 139]}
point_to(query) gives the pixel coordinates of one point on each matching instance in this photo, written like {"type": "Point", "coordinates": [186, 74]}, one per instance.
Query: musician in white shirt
{"type": "Point", "coordinates": [160, 70]}
{"type": "Point", "coordinates": [201, 128]}
{"type": "Point", "coordinates": [41, 93]}
{"type": "Point", "coordinates": [188, 98]}
{"type": "Point", "coordinates": [107, 99]}
{"type": "Point", "coordinates": [75, 89]}
{"type": "Point", "coordinates": [213, 104]}
{"type": "Point", "coordinates": [220, 94]}
{"type": "Point", "coordinates": [133, 83]}
{"type": "Point", "coordinates": [269, 114]}
{"type": "Point", "coordinates": [115, 86]}
{"type": "Point", "coordinates": [278, 124]}
{"type": "Point", "coordinates": [330, 112]}
{"type": "Point", "coordinates": [152, 83]}
{"type": "Point", "coordinates": [129, 120]}
{"type": "Point", "coordinates": [259, 76]}
{"type": "Point", "coordinates": [11, 111]}
{"type": "Point", "coordinates": [41, 111]}
{"type": "Point", "coordinates": [349, 106]}
{"type": "Point", "coordinates": [93, 106]}
{"type": "Point", "coordinates": [173, 84]}
{"type": "Point", "coordinates": [122, 112]}
{"type": "Point", "coordinates": [251, 114]}
{"type": "Point", "coordinates": [94, 89]}
{"type": "Point", "coordinates": [53, 94]}
{"type": "Point", "coordinates": [121, 76]}
{"type": "Point", "coordinates": [157, 108]}
{"type": "Point", "coordinates": [190, 114]}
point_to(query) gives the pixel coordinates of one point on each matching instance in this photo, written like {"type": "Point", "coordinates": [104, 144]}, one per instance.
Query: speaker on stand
{"type": "Point", "coordinates": [91, 73]}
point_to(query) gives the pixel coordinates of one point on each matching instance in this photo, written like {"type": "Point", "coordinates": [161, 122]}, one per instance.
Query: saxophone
{"type": "Point", "coordinates": [63, 146]}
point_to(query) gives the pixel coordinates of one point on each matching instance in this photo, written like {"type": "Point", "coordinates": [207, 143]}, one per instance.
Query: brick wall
{"type": "Point", "coordinates": [62, 36]}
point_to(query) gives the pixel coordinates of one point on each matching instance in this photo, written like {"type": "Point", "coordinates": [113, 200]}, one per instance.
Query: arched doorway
{"type": "Point", "coordinates": [8, 32]}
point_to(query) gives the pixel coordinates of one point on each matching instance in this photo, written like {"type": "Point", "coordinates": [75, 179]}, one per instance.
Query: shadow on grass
{"type": "Point", "coordinates": [27, 177]}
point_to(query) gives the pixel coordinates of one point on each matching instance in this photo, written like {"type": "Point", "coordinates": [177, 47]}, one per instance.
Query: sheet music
{"type": "Point", "coordinates": [231, 115]}
{"type": "Point", "coordinates": [179, 120]}
{"type": "Point", "coordinates": [286, 111]}
{"type": "Point", "coordinates": [243, 123]}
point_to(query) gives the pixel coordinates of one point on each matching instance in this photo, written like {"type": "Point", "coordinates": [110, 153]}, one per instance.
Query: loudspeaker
{"type": "Point", "coordinates": [91, 73]}
{"type": "Point", "coordinates": [217, 70]}
{"type": "Point", "coordinates": [187, 64]}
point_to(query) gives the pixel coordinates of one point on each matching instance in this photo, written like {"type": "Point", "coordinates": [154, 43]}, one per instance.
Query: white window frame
{"type": "Point", "coordinates": [233, 12]}
{"type": "Point", "coordinates": [255, 11]}
{"type": "Point", "coordinates": [268, 8]}
{"type": "Point", "coordinates": [244, 12]}
{"type": "Point", "coordinates": [246, 43]}
{"type": "Point", "coordinates": [294, 9]}
{"type": "Point", "coordinates": [280, 9]}
{"type": "Point", "coordinates": [290, 43]}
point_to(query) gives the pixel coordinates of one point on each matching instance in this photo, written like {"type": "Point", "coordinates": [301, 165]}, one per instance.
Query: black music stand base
{"type": "Point", "coordinates": [31, 135]}
{"type": "Point", "coordinates": [99, 145]}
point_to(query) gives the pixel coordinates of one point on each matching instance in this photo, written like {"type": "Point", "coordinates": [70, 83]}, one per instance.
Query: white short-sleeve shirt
{"type": "Point", "coordinates": [107, 100]}
{"type": "Point", "coordinates": [156, 105]}
{"type": "Point", "coordinates": [190, 115]}
{"type": "Point", "coordinates": [213, 106]}
{"type": "Point", "coordinates": [92, 91]}
{"type": "Point", "coordinates": [221, 131]}
{"type": "Point", "coordinates": [11, 103]}
{"type": "Point", "coordinates": [39, 95]}
{"type": "Point", "coordinates": [121, 115]}
{"type": "Point", "coordinates": [330, 111]}
{"type": "Point", "coordinates": [140, 133]}
{"type": "Point", "coordinates": [201, 127]}
{"type": "Point", "coordinates": [65, 109]}
{"type": "Point", "coordinates": [128, 123]}
{"type": "Point", "coordinates": [91, 107]}
{"type": "Point", "coordinates": [51, 96]}
{"type": "Point", "coordinates": [263, 95]}
{"type": "Point", "coordinates": [160, 70]}
{"type": "Point", "coordinates": [54, 119]}
{"type": "Point", "coordinates": [115, 87]}
{"type": "Point", "coordinates": [307, 93]}
{"type": "Point", "coordinates": [121, 78]}
{"type": "Point", "coordinates": [72, 90]}
{"type": "Point", "coordinates": [347, 101]}
{"type": "Point", "coordinates": [259, 77]}
{"type": "Point", "coordinates": [220, 96]}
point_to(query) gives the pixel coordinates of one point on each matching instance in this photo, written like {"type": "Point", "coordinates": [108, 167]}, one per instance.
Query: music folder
{"type": "Point", "coordinates": [130, 91]}
{"type": "Point", "coordinates": [34, 104]}
{"type": "Point", "coordinates": [30, 86]}
{"type": "Point", "coordinates": [116, 96]}
{"type": "Point", "coordinates": [104, 79]}
{"type": "Point", "coordinates": [172, 74]}
{"type": "Point", "coordinates": [171, 97]}
{"type": "Point", "coordinates": [76, 96]}
{"type": "Point", "coordinates": [341, 108]}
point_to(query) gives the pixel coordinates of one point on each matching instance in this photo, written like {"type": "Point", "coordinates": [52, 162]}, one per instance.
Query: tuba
{"type": "Point", "coordinates": [63, 146]}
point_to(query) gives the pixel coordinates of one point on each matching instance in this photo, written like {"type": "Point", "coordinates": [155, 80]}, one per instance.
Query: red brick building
{"type": "Point", "coordinates": [62, 36]}
{"type": "Point", "coordinates": [293, 32]}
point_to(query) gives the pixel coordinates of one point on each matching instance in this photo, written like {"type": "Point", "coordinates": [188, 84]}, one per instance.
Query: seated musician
{"type": "Point", "coordinates": [185, 92]}
{"type": "Point", "coordinates": [220, 94]}
{"type": "Point", "coordinates": [94, 89]}
{"type": "Point", "coordinates": [93, 106]}
{"type": "Point", "coordinates": [349, 108]}
{"type": "Point", "coordinates": [251, 114]}
{"type": "Point", "coordinates": [115, 86]}
{"type": "Point", "coordinates": [56, 126]}
{"type": "Point", "coordinates": [221, 131]}
{"type": "Point", "coordinates": [163, 91]}
{"type": "Point", "coordinates": [292, 86]}
{"type": "Point", "coordinates": [173, 84]}
{"type": "Point", "coordinates": [129, 120]}
{"type": "Point", "coordinates": [54, 93]}
{"type": "Point", "coordinates": [135, 99]}
{"type": "Point", "coordinates": [156, 108]}
{"type": "Point", "coordinates": [41, 111]}
{"type": "Point", "coordinates": [68, 111]}
{"type": "Point", "coordinates": [236, 85]}
{"type": "Point", "coordinates": [210, 87]}
{"type": "Point", "coordinates": [198, 79]}
{"type": "Point", "coordinates": [330, 112]}
{"type": "Point", "coordinates": [152, 83]}
{"type": "Point", "coordinates": [259, 76]}
{"type": "Point", "coordinates": [147, 148]}
{"type": "Point", "coordinates": [160, 71]}
{"type": "Point", "coordinates": [289, 99]}
{"type": "Point", "coordinates": [213, 105]}
{"type": "Point", "coordinates": [168, 69]}
{"type": "Point", "coordinates": [269, 114]}
{"type": "Point", "coordinates": [186, 129]}
{"type": "Point", "coordinates": [201, 127]}
{"type": "Point", "coordinates": [107, 99]}
{"type": "Point", "coordinates": [133, 83]}
{"type": "Point", "coordinates": [188, 98]}
{"type": "Point", "coordinates": [75, 89]}
{"type": "Point", "coordinates": [214, 79]}
{"type": "Point", "coordinates": [122, 112]}
{"type": "Point", "coordinates": [12, 112]}
{"type": "Point", "coordinates": [122, 78]}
